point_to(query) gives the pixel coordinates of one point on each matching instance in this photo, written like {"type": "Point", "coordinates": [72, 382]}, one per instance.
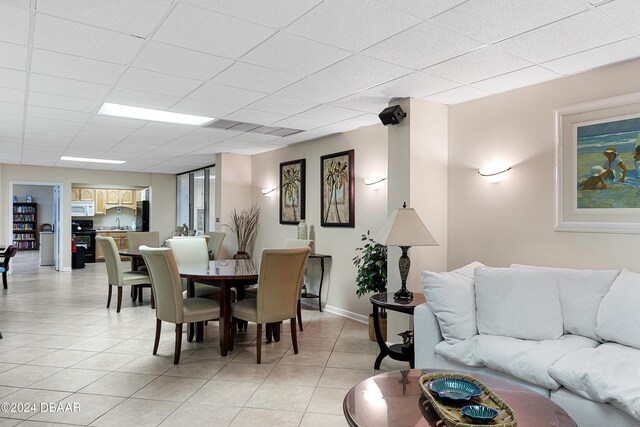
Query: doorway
{"type": "Point", "coordinates": [35, 223]}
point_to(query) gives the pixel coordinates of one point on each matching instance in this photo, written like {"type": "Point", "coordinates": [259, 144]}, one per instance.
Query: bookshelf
{"type": "Point", "coordinates": [25, 221]}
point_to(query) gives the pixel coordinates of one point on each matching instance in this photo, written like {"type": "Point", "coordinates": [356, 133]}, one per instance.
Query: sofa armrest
{"type": "Point", "coordinates": [426, 334]}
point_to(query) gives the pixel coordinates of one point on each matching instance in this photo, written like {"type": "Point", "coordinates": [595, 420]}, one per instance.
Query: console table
{"type": "Point", "coordinates": [320, 257]}
{"type": "Point", "coordinates": [385, 300]}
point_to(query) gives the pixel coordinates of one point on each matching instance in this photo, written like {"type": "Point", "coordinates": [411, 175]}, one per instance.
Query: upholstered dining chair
{"type": "Point", "coordinates": [9, 253]}
{"type": "Point", "coordinates": [299, 243]}
{"type": "Point", "coordinates": [116, 276]}
{"type": "Point", "coordinates": [170, 306]}
{"type": "Point", "coordinates": [193, 252]}
{"type": "Point", "coordinates": [215, 243]}
{"type": "Point", "coordinates": [135, 239]}
{"type": "Point", "coordinates": [279, 283]}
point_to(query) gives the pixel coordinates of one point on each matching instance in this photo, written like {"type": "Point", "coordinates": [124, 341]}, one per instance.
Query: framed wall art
{"type": "Point", "coordinates": [337, 190]}
{"type": "Point", "coordinates": [292, 191]}
{"type": "Point", "coordinates": [598, 166]}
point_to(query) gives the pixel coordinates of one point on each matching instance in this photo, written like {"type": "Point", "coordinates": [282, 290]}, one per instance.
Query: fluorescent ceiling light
{"type": "Point", "coordinates": [84, 159]}
{"type": "Point", "coordinates": [119, 110]}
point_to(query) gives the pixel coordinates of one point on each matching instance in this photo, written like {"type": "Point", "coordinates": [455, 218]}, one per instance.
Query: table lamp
{"type": "Point", "coordinates": [404, 228]}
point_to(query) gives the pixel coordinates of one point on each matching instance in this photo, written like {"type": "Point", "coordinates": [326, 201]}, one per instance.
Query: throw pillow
{"type": "Point", "coordinates": [618, 315]}
{"type": "Point", "coordinates": [452, 299]}
{"type": "Point", "coordinates": [517, 303]}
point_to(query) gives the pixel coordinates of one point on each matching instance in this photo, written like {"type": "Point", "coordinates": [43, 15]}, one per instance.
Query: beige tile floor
{"type": "Point", "coordinates": [62, 345]}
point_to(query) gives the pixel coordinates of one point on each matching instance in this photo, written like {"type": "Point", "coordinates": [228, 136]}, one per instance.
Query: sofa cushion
{"type": "Point", "coordinates": [517, 303]}
{"type": "Point", "coordinates": [452, 299]}
{"type": "Point", "coordinates": [527, 360]}
{"type": "Point", "coordinates": [462, 352]}
{"type": "Point", "coordinates": [581, 292]}
{"type": "Point", "coordinates": [608, 373]}
{"type": "Point", "coordinates": [618, 315]}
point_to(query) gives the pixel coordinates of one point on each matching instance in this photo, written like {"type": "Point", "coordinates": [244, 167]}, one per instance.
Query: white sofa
{"type": "Point", "coordinates": [570, 335]}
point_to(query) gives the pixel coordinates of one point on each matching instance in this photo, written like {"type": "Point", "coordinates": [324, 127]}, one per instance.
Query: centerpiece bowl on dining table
{"type": "Point", "coordinates": [454, 388]}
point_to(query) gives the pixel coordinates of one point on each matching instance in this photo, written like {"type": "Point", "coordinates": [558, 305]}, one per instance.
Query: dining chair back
{"type": "Point", "coordinates": [279, 282]}
{"type": "Point", "coordinates": [170, 307]}
{"type": "Point", "coordinates": [193, 252]}
{"type": "Point", "coordinates": [9, 253]}
{"type": "Point", "coordinates": [215, 243]}
{"type": "Point", "coordinates": [115, 274]}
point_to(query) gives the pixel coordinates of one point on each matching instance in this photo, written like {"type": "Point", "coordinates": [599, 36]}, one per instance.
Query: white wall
{"type": "Point", "coordinates": [42, 195]}
{"type": "Point", "coordinates": [513, 222]}
{"type": "Point", "coordinates": [370, 157]}
{"type": "Point", "coordinates": [162, 200]}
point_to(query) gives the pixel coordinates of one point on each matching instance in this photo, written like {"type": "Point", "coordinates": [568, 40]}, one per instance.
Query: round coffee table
{"type": "Point", "coordinates": [395, 399]}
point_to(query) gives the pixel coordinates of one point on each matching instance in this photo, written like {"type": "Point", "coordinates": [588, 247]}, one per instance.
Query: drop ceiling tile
{"type": "Point", "coordinates": [102, 141]}
{"type": "Point", "coordinates": [17, 3]}
{"type": "Point", "coordinates": [116, 121]}
{"type": "Point", "coordinates": [360, 72]}
{"type": "Point", "coordinates": [255, 138]}
{"type": "Point", "coordinates": [354, 123]}
{"type": "Point", "coordinates": [15, 96]}
{"type": "Point", "coordinates": [225, 95]}
{"type": "Point", "coordinates": [206, 31]}
{"type": "Point", "coordinates": [598, 57]}
{"type": "Point", "coordinates": [211, 149]}
{"type": "Point", "coordinates": [206, 136]}
{"type": "Point", "coordinates": [295, 122]}
{"type": "Point", "coordinates": [67, 87]}
{"type": "Point", "coordinates": [254, 116]}
{"type": "Point", "coordinates": [477, 65]}
{"type": "Point", "coordinates": [316, 89]}
{"type": "Point", "coordinates": [200, 108]}
{"type": "Point", "coordinates": [457, 95]}
{"type": "Point", "coordinates": [167, 129]}
{"type": "Point", "coordinates": [516, 79]}
{"type": "Point", "coordinates": [14, 24]}
{"type": "Point", "coordinates": [55, 127]}
{"type": "Point", "coordinates": [73, 67]}
{"type": "Point", "coordinates": [146, 139]}
{"type": "Point", "coordinates": [421, 46]}
{"type": "Point", "coordinates": [57, 114]}
{"type": "Point", "coordinates": [282, 105]}
{"type": "Point", "coordinates": [163, 84]}
{"type": "Point", "coordinates": [98, 129]}
{"type": "Point", "coordinates": [131, 17]}
{"type": "Point", "coordinates": [54, 145]}
{"type": "Point", "coordinates": [10, 130]}
{"type": "Point", "coordinates": [351, 24]}
{"type": "Point", "coordinates": [15, 119]}
{"type": "Point", "coordinates": [254, 77]}
{"type": "Point", "coordinates": [46, 137]}
{"type": "Point", "coordinates": [11, 108]}
{"type": "Point", "coordinates": [329, 113]}
{"type": "Point", "coordinates": [500, 19]}
{"type": "Point", "coordinates": [416, 85]}
{"type": "Point", "coordinates": [422, 8]}
{"type": "Point", "coordinates": [13, 56]}
{"type": "Point", "coordinates": [571, 35]}
{"type": "Point", "coordinates": [369, 101]}
{"type": "Point", "coordinates": [13, 79]}
{"type": "Point", "coordinates": [10, 143]}
{"type": "Point", "coordinates": [62, 102]}
{"type": "Point", "coordinates": [177, 61]}
{"type": "Point", "coordinates": [120, 95]}
{"type": "Point", "coordinates": [288, 52]}
{"type": "Point", "coordinates": [47, 149]}
{"type": "Point", "coordinates": [64, 36]}
{"type": "Point", "coordinates": [625, 12]}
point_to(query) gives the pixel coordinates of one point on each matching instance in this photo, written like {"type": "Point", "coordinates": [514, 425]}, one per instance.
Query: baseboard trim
{"type": "Point", "coordinates": [348, 314]}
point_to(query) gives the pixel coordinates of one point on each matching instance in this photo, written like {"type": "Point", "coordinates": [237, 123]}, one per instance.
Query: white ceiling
{"type": "Point", "coordinates": [324, 66]}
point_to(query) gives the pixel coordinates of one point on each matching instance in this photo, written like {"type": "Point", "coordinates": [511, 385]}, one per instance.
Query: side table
{"type": "Point", "coordinates": [385, 300]}
{"type": "Point", "coordinates": [320, 257]}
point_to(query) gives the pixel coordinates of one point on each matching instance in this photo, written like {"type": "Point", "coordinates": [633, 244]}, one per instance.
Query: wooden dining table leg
{"type": "Point", "coordinates": [225, 320]}
{"type": "Point", "coordinates": [191, 292]}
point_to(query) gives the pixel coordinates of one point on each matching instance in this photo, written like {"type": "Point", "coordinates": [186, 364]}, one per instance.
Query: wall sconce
{"type": "Point", "coordinates": [493, 175]}
{"type": "Point", "coordinates": [268, 191]}
{"type": "Point", "coordinates": [374, 182]}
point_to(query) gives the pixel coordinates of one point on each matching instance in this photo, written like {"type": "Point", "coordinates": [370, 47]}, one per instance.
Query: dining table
{"type": "Point", "coordinates": [225, 274]}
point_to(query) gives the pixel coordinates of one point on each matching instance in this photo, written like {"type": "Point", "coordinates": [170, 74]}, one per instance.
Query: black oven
{"type": "Point", "coordinates": [85, 235]}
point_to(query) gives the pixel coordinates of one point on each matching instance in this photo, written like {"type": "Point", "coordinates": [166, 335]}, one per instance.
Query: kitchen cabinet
{"type": "Point", "coordinates": [120, 239]}
{"type": "Point", "coordinates": [127, 198]}
{"type": "Point", "coordinates": [101, 202]}
{"type": "Point", "coordinates": [75, 194]}
{"type": "Point", "coordinates": [87, 194]}
{"type": "Point", "coordinates": [113, 197]}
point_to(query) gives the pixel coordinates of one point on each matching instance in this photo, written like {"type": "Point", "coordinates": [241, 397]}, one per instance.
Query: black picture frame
{"type": "Point", "coordinates": [292, 191]}
{"type": "Point", "coordinates": [337, 190]}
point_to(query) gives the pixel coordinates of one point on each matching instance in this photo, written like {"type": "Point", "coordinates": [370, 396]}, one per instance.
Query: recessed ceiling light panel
{"type": "Point", "coordinates": [119, 110]}
{"type": "Point", "coordinates": [85, 159]}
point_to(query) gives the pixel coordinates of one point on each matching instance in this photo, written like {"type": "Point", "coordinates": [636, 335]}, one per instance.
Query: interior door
{"type": "Point", "coordinates": [57, 234]}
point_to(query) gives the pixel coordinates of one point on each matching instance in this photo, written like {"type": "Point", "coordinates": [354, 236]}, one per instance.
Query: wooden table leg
{"type": "Point", "coordinates": [225, 320]}
{"type": "Point", "coordinates": [191, 292]}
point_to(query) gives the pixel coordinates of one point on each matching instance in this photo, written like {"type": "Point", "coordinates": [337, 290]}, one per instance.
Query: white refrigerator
{"type": "Point", "coordinates": [46, 248]}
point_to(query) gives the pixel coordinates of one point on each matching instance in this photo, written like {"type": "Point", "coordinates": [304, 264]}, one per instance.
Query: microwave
{"type": "Point", "coordinates": [82, 209]}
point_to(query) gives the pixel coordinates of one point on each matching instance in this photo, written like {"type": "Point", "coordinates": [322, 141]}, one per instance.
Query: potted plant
{"type": "Point", "coordinates": [244, 224]}
{"type": "Point", "coordinates": [371, 262]}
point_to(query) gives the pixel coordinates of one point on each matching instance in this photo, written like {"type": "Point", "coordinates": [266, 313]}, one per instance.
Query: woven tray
{"type": "Point", "coordinates": [449, 410]}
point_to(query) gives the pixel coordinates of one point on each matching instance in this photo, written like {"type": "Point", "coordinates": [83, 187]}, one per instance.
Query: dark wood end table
{"type": "Point", "coordinates": [395, 399]}
{"type": "Point", "coordinates": [385, 300]}
{"type": "Point", "coordinates": [320, 257]}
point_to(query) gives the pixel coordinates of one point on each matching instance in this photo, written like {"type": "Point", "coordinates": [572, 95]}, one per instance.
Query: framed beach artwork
{"type": "Point", "coordinates": [337, 190]}
{"type": "Point", "coordinates": [598, 166]}
{"type": "Point", "coordinates": [292, 191]}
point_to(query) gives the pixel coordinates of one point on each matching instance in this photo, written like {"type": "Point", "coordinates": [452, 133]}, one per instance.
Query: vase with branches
{"type": "Point", "coordinates": [371, 276]}
{"type": "Point", "coordinates": [244, 224]}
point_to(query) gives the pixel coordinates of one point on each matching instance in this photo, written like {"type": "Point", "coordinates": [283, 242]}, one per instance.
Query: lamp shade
{"type": "Point", "coordinates": [405, 228]}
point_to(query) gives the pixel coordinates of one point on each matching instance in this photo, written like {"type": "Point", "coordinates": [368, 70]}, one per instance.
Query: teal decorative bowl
{"type": "Point", "coordinates": [454, 388]}
{"type": "Point", "coordinates": [479, 414]}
